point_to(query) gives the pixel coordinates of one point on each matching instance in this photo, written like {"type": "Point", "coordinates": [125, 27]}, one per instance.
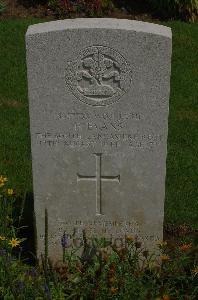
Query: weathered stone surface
{"type": "Point", "coordinates": [98, 98]}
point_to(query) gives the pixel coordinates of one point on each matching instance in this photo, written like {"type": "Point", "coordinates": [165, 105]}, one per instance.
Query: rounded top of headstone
{"type": "Point", "coordinates": [100, 23]}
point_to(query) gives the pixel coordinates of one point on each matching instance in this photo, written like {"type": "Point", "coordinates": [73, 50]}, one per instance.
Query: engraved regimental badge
{"type": "Point", "coordinates": [99, 77]}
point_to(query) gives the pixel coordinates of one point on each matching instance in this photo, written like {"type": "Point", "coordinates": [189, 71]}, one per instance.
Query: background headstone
{"type": "Point", "coordinates": [98, 101]}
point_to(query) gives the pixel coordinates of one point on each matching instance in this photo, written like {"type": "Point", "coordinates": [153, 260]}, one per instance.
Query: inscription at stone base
{"type": "Point", "coordinates": [114, 231]}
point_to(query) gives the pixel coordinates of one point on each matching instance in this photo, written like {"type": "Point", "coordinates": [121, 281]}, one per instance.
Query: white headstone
{"type": "Point", "coordinates": [98, 99]}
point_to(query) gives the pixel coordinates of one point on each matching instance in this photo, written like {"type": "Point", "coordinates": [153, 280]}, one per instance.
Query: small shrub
{"type": "Point", "coordinates": [2, 7]}
{"type": "Point", "coordinates": [91, 8]}
{"type": "Point", "coordinates": [185, 9]}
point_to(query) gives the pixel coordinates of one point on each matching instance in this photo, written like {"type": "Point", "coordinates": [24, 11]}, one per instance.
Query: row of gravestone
{"type": "Point", "coordinates": [98, 100]}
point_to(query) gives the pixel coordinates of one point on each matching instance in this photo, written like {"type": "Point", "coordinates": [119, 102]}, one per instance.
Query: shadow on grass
{"type": "Point", "coordinates": [28, 229]}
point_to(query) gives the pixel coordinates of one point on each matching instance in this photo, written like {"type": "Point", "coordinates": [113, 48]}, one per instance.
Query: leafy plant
{"type": "Point", "coordinates": [186, 9]}
{"type": "Point", "coordinates": [2, 7]}
{"type": "Point", "coordinates": [71, 8]}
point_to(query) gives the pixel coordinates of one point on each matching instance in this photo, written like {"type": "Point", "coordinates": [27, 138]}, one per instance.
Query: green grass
{"type": "Point", "coordinates": [181, 205]}
{"type": "Point", "coordinates": [15, 155]}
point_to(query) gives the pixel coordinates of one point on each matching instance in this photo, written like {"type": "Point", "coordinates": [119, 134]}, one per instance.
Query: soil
{"type": "Point", "coordinates": [174, 234]}
{"type": "Point", "coordinates": [16, 10]}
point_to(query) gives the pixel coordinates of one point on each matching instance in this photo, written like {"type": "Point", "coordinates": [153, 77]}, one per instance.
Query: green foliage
{"type": "Point", "coordinates": [89, 8]}
{"type": "Point", "coordinates": [186, 9]}
{"type": "Point", "coordinates": [10, 216]}
{"type": "Point", "coordinates": [2, 7]}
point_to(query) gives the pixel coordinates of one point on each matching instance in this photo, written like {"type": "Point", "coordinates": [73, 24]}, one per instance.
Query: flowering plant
{"type": "Point", "coordinates": [96, 268]}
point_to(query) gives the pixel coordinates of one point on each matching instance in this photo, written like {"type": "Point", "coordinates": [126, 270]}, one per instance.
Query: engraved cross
{"type": "Point", "coordinates": [98, 178]}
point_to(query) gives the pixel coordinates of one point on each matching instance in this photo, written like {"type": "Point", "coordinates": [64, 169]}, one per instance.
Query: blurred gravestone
{"type": "Point", "coordinates": [98, 101]}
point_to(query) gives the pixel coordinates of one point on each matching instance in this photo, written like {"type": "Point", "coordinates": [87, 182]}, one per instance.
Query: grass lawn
{"type": "Point", "coordinates": [181, 205]}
